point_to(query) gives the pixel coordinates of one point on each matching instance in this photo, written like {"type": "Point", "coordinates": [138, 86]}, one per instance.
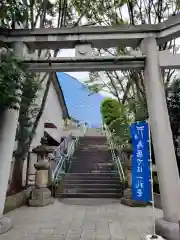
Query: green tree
{"type": "Point", "coordinates": [110, 110]}
{"type": "Point", "coordinates": [173, 102]}
{"type": "Point", "coordinates": [126, 85]}
{"type": "Point", "coordinates": [115, 116]}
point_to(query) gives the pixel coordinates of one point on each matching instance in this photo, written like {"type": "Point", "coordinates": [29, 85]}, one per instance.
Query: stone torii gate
{"type": "Point", "coordinates": [148, 37]}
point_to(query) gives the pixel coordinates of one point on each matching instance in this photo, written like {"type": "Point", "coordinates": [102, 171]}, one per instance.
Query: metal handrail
{"type": "Point", "coordinates": [115, 158]}
{"type": "Point", "coordinates": [63, 146]}
{"type": "Point", "coordinates": [63, 158]}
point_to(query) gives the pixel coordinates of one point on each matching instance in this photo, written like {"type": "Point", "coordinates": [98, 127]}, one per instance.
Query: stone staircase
{"type": "Point", "coordinates": [91, 173]}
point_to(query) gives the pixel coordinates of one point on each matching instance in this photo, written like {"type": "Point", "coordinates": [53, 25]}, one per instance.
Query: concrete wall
{"type": "Point", "coordinates": [17, 200]}
{"type": "Point", "coordinates": [53, 113]}
{"type": "Point", "coordinates": [39, 133]}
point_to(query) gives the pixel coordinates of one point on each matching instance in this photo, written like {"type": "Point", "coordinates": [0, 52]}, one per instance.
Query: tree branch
{"type": "Point", "coordinates": [114, 86]}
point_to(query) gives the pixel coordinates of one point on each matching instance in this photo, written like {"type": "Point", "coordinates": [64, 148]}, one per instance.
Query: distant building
{"type": "Point", "coordinates": [51, 124]}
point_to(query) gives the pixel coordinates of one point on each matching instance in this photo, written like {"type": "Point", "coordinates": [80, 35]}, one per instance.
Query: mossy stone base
{"type": "Point", "coordinates": [128, 201]}
{"type": "Point", "coordinates": [5, 225]}
{"type": "Point", "coordinates": [132, 203]}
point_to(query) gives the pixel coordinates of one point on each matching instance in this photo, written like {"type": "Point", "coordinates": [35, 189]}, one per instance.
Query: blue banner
{"type": "Point", "coordinates": [141, 173]}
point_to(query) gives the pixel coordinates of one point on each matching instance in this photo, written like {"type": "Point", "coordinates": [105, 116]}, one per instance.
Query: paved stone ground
{"type": "Point", "coordinates": [85, 219]}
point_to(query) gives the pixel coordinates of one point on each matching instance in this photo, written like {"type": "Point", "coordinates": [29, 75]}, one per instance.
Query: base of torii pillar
{"type": "Point", "coordinates": [167, 229]}
{"type": "Point", "coordinates": [5, 225]}
{"type": "Point", "coordinates": [153, 237]}
{"type": "Point", "coordinates": [8, 126]}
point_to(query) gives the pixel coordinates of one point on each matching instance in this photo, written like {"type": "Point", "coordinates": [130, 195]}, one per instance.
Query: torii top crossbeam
{"type": "Point", "coordinates": [99, 37]}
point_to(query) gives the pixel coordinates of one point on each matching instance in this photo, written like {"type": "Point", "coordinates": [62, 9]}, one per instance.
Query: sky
{"type": "Point", "coordinates": [81, 103]}
{"type": "Point", "coordinates": [81, 76]}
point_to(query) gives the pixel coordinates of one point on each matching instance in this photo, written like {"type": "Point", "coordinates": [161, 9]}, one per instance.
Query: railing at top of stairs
{"type": "Point", "coordinates": [115, 157]}
{"type": "Point", "coordinates": [63, 154]}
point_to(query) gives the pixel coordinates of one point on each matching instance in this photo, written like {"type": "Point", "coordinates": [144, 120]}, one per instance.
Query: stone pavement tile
{"type": "Point", "coordinates": [74, 233]}
{"type": "Point", "coordinates": [24, 236]}
{"type": "Point", "coordinates": [32, 229]}
{"type": "Point", "coordinates": [88, 235]}
{"type": "Point", "coordinates": [42, 236]}
{"type": "Point", "coordinates": [14, 237]}
{"type": "Point", "coordinates": [50, 237]}
{"type": "Point", "coordinates": [102, 235]}
{"type": "Point", "coordinates": [62, 221]}
{"type": "Point", "coordinates": [46, 231]}
{"type": "Point", "coordinates": [102, 238]}
{"type": "Point", "coordinates": [73, 237]}
{"type": "Point", "coordinates": [77, 229]}
{"type": "Point", "coordinates": [132, 235]}
{"type": "Point", "coordinates": [62, 228]}
{"type": "Point", "coordinates": [76, 225]}
{"type": "Point", "coordinates": [143, 231]}
{"type": "Point", "coordinates": [60, 231]}
{"type": "Point", "coordinates": [58, 236]}
{"type": "Point", "coordinates": [116, 231]}
{"type": "Point", "coordinates": [88, 226]}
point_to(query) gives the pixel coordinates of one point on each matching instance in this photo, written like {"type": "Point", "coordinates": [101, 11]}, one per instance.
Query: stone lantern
{"type": "Point", "coordinates": [41, 195]}
{"type": "Point", "coordinates": [127, 199]}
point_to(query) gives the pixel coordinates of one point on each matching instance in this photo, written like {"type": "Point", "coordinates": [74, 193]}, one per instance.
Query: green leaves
{"type": "Point", "coordinates": [18, 89]}
{"type": "Point", "coordinates": [138, 109]}
{"type": "Point", "coordinates": [110, 110]}
{"type": "Point", "coordinates": [173, 102]}
{"type": "Point", "coordinates": [13, 11]}
{"type": "Point", "coordinates": [115, 117]}
{"type": "Point", "coordinates": [11, 79]}
{"type": "Point", "coordinates": [120, 128]}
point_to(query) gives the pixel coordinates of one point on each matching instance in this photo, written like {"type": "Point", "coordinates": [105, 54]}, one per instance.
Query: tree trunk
{"type": "Point", "coordinates": [27, 170]}
{"type": "Point", "coordinates": [16, 181]}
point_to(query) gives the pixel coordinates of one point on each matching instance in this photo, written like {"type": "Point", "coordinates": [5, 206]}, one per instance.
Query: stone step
{"type": "Point", "coordinates": [91, 172]}
{"type": "Point", "coordinates": [88, 195]}
{"type": "Point", "coordinates": [95, 173]}
{"type": "Point", "coordinates": [101, 163]}
{"type": "Point", "coordinates": [92, 150]}
{"type": "Point", "coordinates": [92, 190]}
{"type": "Point", "coordinates": [92, 176]}
{"type": "Point", "coordinates": [93, 140]}
{"type": "Point", "coordinates": [92, 181]}
{"type": "Point", "coordinates": [94, 168]}
{"type": "Point", "coordinates": [95, 185]}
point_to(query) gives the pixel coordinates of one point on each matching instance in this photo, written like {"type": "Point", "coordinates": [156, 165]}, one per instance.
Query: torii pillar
{"type": "Point", "coordinates": [162, 142]}
{"type": "Point", "coordinates": [8, 126]}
